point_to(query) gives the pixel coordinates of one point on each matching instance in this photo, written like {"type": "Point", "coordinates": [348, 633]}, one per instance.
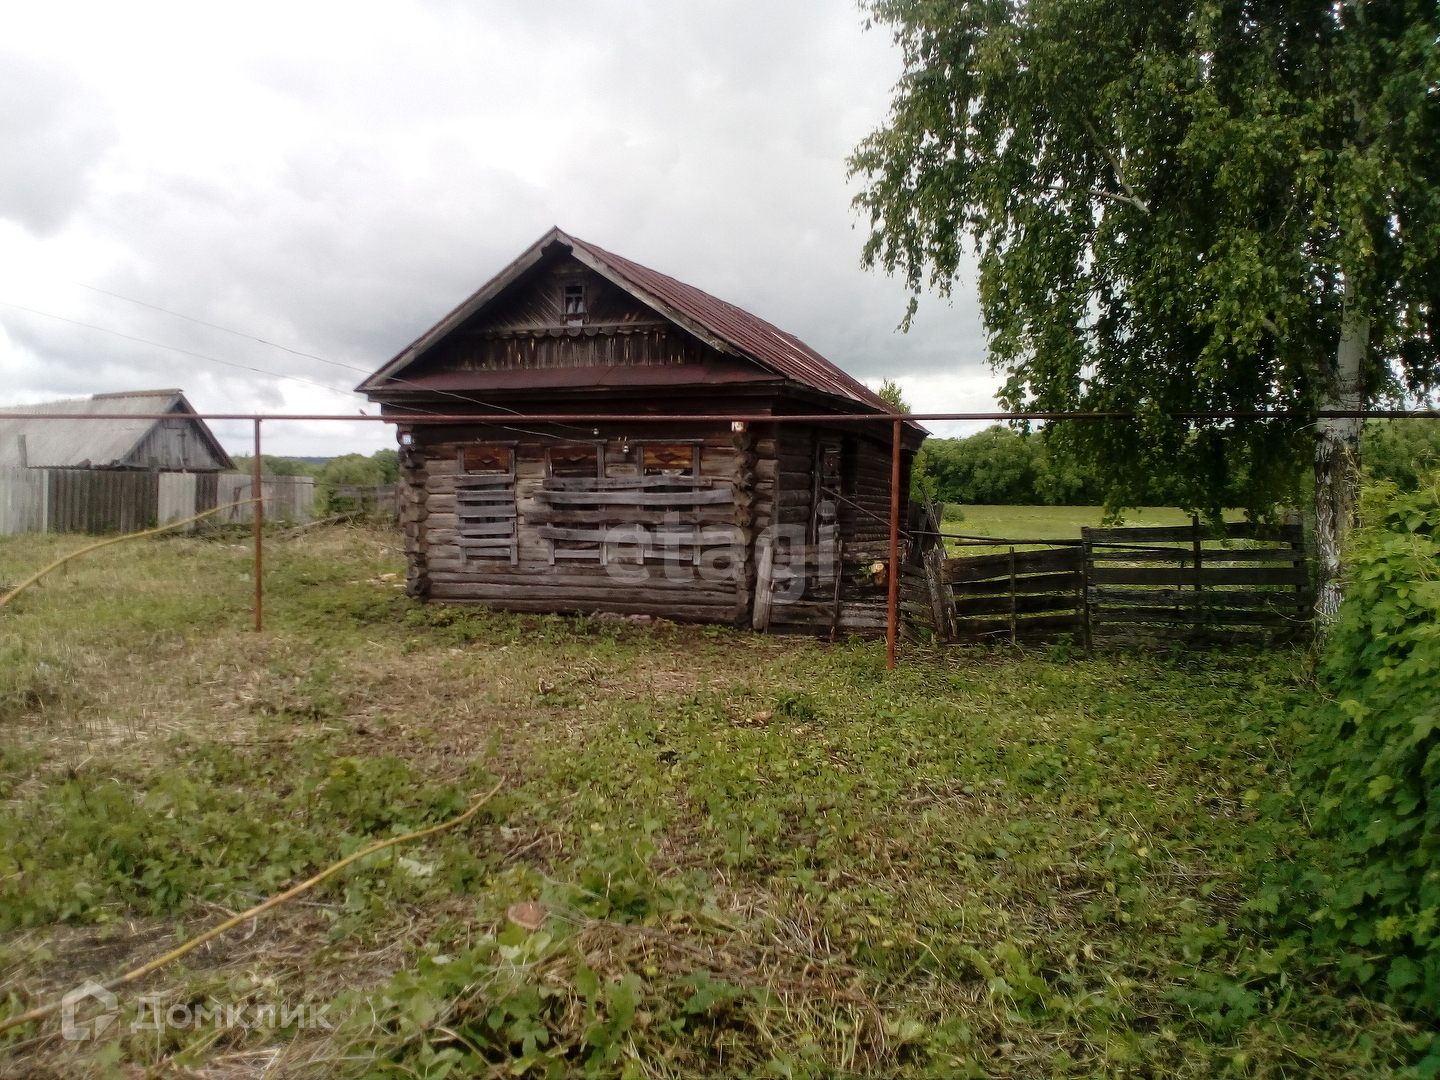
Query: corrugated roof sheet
{"type": "Point", "coordinates": [763, 341]}
{"type": "Point", "coordinates": [60, 444]}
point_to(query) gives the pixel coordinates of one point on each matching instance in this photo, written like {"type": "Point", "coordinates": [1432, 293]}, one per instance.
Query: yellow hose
{"type": "Point", "coordinates": [33, 578]}
{"type": "Point", "coordinates": [259, 909]}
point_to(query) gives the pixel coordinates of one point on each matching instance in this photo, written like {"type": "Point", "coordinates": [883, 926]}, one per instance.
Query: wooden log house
{"type": "Point", "coordinates": [776, 526]}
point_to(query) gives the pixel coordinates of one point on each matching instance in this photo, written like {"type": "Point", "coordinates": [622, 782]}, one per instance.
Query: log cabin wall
{"type": "Point", "coordinates": [660, 524]}
{"type": "Point", "coordinates": [833, 496]}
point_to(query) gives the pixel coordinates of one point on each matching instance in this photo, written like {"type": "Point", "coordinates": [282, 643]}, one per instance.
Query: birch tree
{"type": "Point", "coordinates": [1174, 207]}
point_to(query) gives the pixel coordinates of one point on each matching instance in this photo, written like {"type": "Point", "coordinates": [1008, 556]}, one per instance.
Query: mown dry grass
{"type": "Point", "coordinates": [758, 857]}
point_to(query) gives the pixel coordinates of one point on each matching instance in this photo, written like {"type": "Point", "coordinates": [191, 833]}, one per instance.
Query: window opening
{"type": "Point", "coordinates": [487, 459]}
{"type": "Point", "coordinates": [575, 461]}
{"type": "Point", "coordinates": [669, 460]}
{"type": "Point", "coordinates": [485, 512]}
{"type": "Point", "coordinates": [574, 303]}
{"type": "Point", "coordinates": [824, 517]}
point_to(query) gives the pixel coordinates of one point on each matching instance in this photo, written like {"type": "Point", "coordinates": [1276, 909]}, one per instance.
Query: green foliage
{"type": "Point", "coordinates": [224, 826]}
{"type": "Point", "coordinates": [892, 395]}
{"type": "Point", "coordinates": [1174, 208]}
{"type": "Point", "coordinates": [1401, 451]}
{"type": "Point", "coordinates": [1366, 886]}
{"type": "Point", "coordinates": [997, 848]}
{"type": "Point", "coordinates": [354, 470]}
{"type": "Point", "coordinates": [1003, 467]}
{"type": "Point", "coordinates": [276, 466]}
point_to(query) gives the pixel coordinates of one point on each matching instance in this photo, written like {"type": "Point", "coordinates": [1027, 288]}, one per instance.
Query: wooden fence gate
{"type": "Point", "coordinates": [1250, 585]}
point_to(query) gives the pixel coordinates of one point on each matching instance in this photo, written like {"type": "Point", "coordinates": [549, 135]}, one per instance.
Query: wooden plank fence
{"type": "Point", "coordinates": [1018, 595]}
{"type": "Point", "coordinates": [1250, 585]}
{"type": "Point", "coordinates": [122, 501]}
{"type": "Point", "coordinates": [23, 500]}
{"type": "Point", "coordinates": [287, 498]}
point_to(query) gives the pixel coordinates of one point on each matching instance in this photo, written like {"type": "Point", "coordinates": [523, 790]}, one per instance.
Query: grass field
{"type": "Point", "coordinates": [1055, 522]}
{"type": "Point", "coordinates": [756, 856]}
{"type": "Point", "coordinates": [1049, 522]}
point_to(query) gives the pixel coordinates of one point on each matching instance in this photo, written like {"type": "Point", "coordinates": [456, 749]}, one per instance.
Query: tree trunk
{"type": "Point", "coordinates": [1337, 464]}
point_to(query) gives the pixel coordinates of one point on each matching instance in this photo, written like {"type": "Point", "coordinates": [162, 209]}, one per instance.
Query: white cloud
{"type": "Point", "coordinates": [336, 178]}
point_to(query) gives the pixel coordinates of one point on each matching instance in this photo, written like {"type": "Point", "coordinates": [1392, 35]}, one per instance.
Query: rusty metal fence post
{"type": "Point", "coordinates": [259, 519]}
{"type": "Point", "coordinates": [892, 616]}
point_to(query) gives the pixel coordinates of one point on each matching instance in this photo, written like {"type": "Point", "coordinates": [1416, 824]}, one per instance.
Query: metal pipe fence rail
{"type": "Point", "coordinates": [739, 422]}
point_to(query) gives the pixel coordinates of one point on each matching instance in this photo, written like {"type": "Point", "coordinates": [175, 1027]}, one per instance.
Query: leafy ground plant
{"type": "Point", "coordinates": [1364, 890]}
{"type": "Point", "coordinates": [730, 855]}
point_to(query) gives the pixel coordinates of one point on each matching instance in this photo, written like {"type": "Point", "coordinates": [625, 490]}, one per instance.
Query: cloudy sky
{"type": "Point", "coordinates": [335, 177]}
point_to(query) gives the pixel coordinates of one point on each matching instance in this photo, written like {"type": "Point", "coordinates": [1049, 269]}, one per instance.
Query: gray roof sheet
{"type": "Point", "coordinates": [60, 444]}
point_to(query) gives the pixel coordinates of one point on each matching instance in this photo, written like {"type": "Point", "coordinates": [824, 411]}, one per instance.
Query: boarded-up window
{"type": "Point", "coordinates": [830, 467]}
{"type": "Point", "coordinates": [824, 516]}
{"type": "Point", "coordinates": [574, 461]}
{"type": "Point", "coordinates": [658, 459]}
{"type": "Point", "coordinates": [485, 510]}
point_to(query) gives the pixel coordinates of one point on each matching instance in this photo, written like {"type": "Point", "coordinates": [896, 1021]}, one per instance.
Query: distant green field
{"type": "Point", "coordinates": [1051, 522]}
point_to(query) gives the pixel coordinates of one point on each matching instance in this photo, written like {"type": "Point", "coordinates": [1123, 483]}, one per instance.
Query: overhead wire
{"type": "Point", "coordinates": [172, 348]}
{"type": "Point", "coordinates": [251, 368]}
{"type": "Point", "coordinates": [311, 356]}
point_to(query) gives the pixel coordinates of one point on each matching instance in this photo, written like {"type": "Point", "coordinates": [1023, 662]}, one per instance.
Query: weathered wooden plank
{"type": "Point", "coordinates": [625, 483]}
{"type": "Point", "coordinates": [1000, 605]}
{"type": "Point", "coordinates": [1206, 576]}
{"type": "Point", "coordinates": [1024, 625]}
{"type": "Point", "coordinates": [635, 497]}
{"type": "Point", "coordinates": [1238, 530]}
{"type": "Point", "coordinates": [497, 511]}
{"type": "Point", "coordinates": [1164, 636]}
{"type": "Point", "coordinates": [1207, 555]}
{"type": "Point", "coordinates": [707, 537]}
{"type": "Point", "coordinates": [625, 515]}
{"type": "Point", "coordinates": [979, 567]}
{"type": "Point", "coordinates": [1213, 597]}
{"type": "Point", "coordinates": [1208, 616]}
{"type": "Point", "coordinates": [486, 528]}
{"type": "Point", "coordinates": [653, 590]}
{"type": "Point", "coordinates": [453, 593]}
{"type": "Point", "coordinates": [568, 581]}
{"type": "Point", "coordinates": [1070, 580]}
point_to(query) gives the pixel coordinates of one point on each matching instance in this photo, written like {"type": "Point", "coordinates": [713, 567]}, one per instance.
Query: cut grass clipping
{"type": "Point", "coordinates": [752, 856]}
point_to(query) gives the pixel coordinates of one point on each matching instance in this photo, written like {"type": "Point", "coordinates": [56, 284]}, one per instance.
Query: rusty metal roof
{"type": "Point", "coordinates": [771, 346]}
{"type": "Point", "coordinates": [718, 323]}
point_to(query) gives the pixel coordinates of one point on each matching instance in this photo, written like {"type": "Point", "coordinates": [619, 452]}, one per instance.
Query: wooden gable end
{"type": "Point", "coordinates": [562, 314]}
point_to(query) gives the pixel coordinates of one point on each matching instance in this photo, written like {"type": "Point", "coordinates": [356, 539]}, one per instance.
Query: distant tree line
{"type": "Point", "coordinates": [347, 470]}
{"type": "Point", "coordinates": [1004, 467]}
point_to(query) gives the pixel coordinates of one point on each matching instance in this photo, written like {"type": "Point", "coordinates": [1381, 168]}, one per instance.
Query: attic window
{"type": "Point", "coordinates": [574, 303]}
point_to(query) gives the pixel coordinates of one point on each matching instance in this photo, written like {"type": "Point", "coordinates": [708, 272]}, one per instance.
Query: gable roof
{"type": "Point", "coordinates": [721, 325]}
{"type": "Point", "coordinates": [59, 444]}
